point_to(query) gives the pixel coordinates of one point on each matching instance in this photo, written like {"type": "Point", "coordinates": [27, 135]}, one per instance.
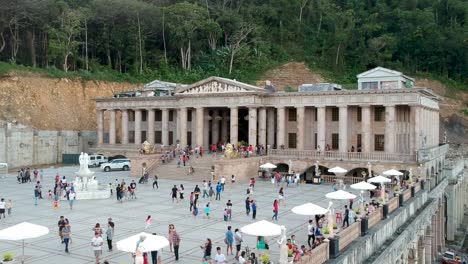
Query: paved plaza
{"type": "Point", "coordinates": [130, 216]}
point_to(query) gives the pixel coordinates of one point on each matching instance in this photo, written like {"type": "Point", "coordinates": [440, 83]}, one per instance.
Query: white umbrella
{"type": "Point", "coordinates": [337, 170]}
{"type": "Point", "coordinates": [268, 166]}
{"type": "Point", "coordinates": [363, 186]}
{"type": "Point", "coordinates": [150, 243]}
{"type": "Point", "coordinates": [392, 172]}
{"type": "Point", "coordinates": [309, 209]}
{"type": "Point", "coordinates": [340, 195]}
{"type": "Point", "coordinates": [23, 231]}
{"type": "Point", "coordinates": [262, 228]}
{"type": "Point", "coordinates": [379, 179]}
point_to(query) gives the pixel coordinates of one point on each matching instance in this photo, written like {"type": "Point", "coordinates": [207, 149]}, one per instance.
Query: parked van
{"type": "Point", "coordinates": [95, 160]}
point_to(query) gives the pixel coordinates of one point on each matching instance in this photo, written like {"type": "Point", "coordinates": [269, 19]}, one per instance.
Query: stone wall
{"type": "Point", "coordinates": [243, 168]}
{"type": "Point", "coordinates": [23, 146]}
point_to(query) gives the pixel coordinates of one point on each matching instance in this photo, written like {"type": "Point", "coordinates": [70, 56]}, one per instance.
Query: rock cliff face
{"type": "Point", "coordinates": [54, 104]}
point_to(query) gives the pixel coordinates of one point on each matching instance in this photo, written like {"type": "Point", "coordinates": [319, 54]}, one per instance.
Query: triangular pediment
{"type": "Point", "coordinates": [219, 85]}
{"type": "Point", "coordinates": [379, 72]}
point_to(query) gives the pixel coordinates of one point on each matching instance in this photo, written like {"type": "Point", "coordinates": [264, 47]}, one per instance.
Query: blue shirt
{"type": "Point", "coordinates": [218, 188]}
{"type": "Point", "coordinates": [230, 237]}
{"type": "Point", "coordinates": [254, 207]}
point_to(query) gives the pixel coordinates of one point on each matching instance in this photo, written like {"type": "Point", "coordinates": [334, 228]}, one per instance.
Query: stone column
{"type": "Point", "coordinates": [262, 123]}
{"type": "Point", "coordinates": [271, 127]}
{"type": "Point", "coordinates": [200, 123]}
{"type": "Point", "coordinates": [366, 128]}
{"type": "Point", "coordinates": [300, 122]}
{"type": "Point", "coordinates": [390, 129]}
{"type": "Point", "coordinates": [321, 127]}
{"type": "Point", "coordinates": [280, 127]}
{"type": "Point", "coordinates": [234, 130]}
{"type": "Point", "coordinates": [112, 127]}
{"type": "Point", "coordinates": [434, 235]}
{"type": "Point", "coordinates": [100, 126]}
{"type": "Point", "coordinates": [193, 127]}
{"type": "Point", "coordinates": [165, 126]}
{"type": "Point", "coordinates": [183, 127]}
{"type": "Point", "coordinates": [343, 129]}
{"type": "Point", "coordinates": [206, 132]}
{"type": "Point", "coordinates": [124, 126]}
{"type": "Point", "coordinates": [150, 131]}
{"type": "Point", "coordinates": [421, 252]}
{"type": "Point", "coordinates": [215, 127]}
{"type": "Point", "coordinates": [137, 127]}
{"type": "Point", "coordinates": [428, 247]}
{"type": "Point", "coordinates": [415, 128]}
{"type": "Point", "coordinates": [253, 126]}
{"type": "Point", "coordinates": [224, 126]}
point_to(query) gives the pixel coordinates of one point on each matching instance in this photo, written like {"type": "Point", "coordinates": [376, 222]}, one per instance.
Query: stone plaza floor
{"type": "Point", "coordinates": [130, 216]}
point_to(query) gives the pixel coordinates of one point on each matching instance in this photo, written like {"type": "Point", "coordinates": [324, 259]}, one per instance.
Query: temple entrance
{"type": "Point", "coordinates": [243, 134]}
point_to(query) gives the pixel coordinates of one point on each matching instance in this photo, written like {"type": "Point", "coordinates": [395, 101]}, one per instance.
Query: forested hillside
{"type": "Point", "coordinates": [184, 41]}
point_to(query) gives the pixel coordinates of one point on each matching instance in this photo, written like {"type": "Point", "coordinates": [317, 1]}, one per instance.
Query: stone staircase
{"type": "Point", "coordinates": [169, 170]}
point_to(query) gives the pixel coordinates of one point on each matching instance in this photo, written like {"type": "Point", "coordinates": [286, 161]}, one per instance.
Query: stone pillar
{"type": "Point", "coordinates": [390, 129]}
{"type": "Point", "coordinates": [234, 130]}
{"type": "Point", "coordinates": [366, 128]}
{"type": "Point", "coordinates": [100, 126]}
{"type": "Point", "coordinates": [421, 252]}
{"type": "Point", "coordinates": [137, 127]}
{"type": "Point", "coordinates": [112, 127]}
{"type": "Point", "coordinates": [124, 126]}
{"type": "Point", "coordinates": [428, 247]}
{"type": "Point", "coordinates": [321, 127]}
{"type": "Point", "coordinates": [434, 236]}
{"type": "Point", "coordinates": [280, 126]}
{"type": "Point", "coordinates": [215, 127]}
{"type": "Point", "coordinates": [300, 121]}
{"type": "Point", "coordinates": [165, 126]}
{"type": "Point", "coordinates": [183, 127]}
{"type": "Point", "coordinates": [343, 129]}
{"type": "Point", "coordinates": [199, 126]}
{"type": "Point", "coordinates": [415, 123]}
{"type": "Point", "coordinates": [206, 132]}
{"type": "Point", "coordinates": [224, 126]}
{"type": "Point", "coordinates": [193, 127]}
{"type": "Point", "coordinates": [262, 123]}
{"type": "Point", "coordinates": [271, 127]}
{"type": "Point", "coordinates": [253, 126]}
{"type": "Point", "coordinates": [150, 131]}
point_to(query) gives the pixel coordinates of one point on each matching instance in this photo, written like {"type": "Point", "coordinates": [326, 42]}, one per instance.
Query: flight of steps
{"type": "Point", "coordinates": [169, 170]}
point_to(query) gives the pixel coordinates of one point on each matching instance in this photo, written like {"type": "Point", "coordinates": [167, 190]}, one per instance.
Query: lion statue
{"type": "Point", "coordinates": [230, 153]}
{"type": "Point", "coordinates": [148, 148]}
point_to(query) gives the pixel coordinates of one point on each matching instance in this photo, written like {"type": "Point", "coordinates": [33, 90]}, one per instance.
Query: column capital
{"type": "Point", "coordinates": [343, 106]}
{"type": "Point", "coordinates": [233, 107]}
{"type": "Point", "coordinates": [300, 106]}
{"type": "Point", "coordinates": [320, 106]}
{"type": "Point", "coordinates": [280, 107]}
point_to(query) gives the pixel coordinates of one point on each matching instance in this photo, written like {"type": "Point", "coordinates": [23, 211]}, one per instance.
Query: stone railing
{"type": "Point", "coordinates": [393, 204]}
{"type": "Point", "coordinates": [428, 154]}
{"type": "Point", "coordinates": [417, 186]}
{"type": "Point", "coordinates": [346, 180]}
{"type": "Point", "coordinates": [348, 156]}
{"type": "Point", "coordinates": [406, 195]}
{"type": "Point", "coordinates": [319, 255]}
{"type": "Point", "coordinates": [375, 217]}
{"type": "Point", "coordinates": [349, 234]}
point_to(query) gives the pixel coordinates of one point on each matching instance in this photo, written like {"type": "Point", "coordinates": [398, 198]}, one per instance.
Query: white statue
{"type": "Point", "coordinates": [283, 247]}
{"type": "Point", "coordinates": [369, 169]}
{"type": "Point", "coordinates": [445, 136]}
{"type": "Point", "coordinates": [84, 172]}
{"type": "Point", "coordinates": [317, 172]}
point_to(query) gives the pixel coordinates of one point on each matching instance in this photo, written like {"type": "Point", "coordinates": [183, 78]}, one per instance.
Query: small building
{"type": "Point", "coordinates": [383, 79]}
{"type": "Point", "coordinates": [318, 87]}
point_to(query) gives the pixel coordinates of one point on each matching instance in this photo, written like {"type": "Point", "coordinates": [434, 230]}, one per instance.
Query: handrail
{"type": "Point", "coordinates": [351, 156]}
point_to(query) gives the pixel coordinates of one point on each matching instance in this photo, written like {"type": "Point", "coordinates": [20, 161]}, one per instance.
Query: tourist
{"type": "Point", "coordinates": [66, 236]}
{"type": "Point", "coordinates": [174, 193]}
{"type": "Point", "coordinates": [229, 240]}
{"type": "Point", "coordinates": [219, 257]}
{"type": "Point", "coordinates": [148, 222]}
{"type": "Point", "coordinates": [97, 229]}
{"type": "Point", "coordinates": [97, 243]}
{"type": "Point", "coordinates": [206, 250]}
{"type": "Point", "coordinates": [242, 258]}
{"type": "Point", "coordinates": [110, 235]}
{"type": "Point", "coordinates": [261, 243]}
{"type": "Point", "coordinates": [207, 210]}
{"type": "Point", "coordinates": [191, 201]}
{"type": "Point", "coordinates": [238, 241]}
{"type": "Point", "coordinates": [154, 254]}
{"type": "Point", "coordinates": [2, 208]}
{"type": "Point", "coordinates": [334, 187]}
{"type": "Point", "coordinates": [205, 189]}
{"type": "Point", "coordinates": [275, 210]}
{"type": "Point", "coordinates": [252, 259]}
{"type": "Point", "coordinates": [196, 191]}
{"type": "Point", "coordinates": [8, 206]}
{"type": "Point", "coordinates": [223, 182]}
{"type": "Point", "coordinates": [229, 209]}
{"type": "Point", "coordinates": [310, 233]}
{"type": "Point", "coordinates": [181, 192]}
{"type": "Point", "coordinates": [178, 162]}
{"type": "Point", "coordinates": [281, 196]}
{"type": "Point", "coordinates": [253, 205]}
{"type": "Point", "coordinates": [36, 195]}
{"type": "Point", "coordinates": [351, 201]}
{"type": "Point", "coordinates": [170, 236]}
{"type": "Point", "coordinates": [247, 205]}
{"type": "Point", "coordinates": [176, 243]}
{"type": "Point", "coordinates": [61, 225]}
{"type": "Point", "coordinates": [201, 152]}
{"type": "Point", "coordinates": [71, 198]}
{"type": "Point", "coordinates": [233, 179]}
{"type": "Point", "coordinates": [346, 216]}
{"type": "Point", "coordinates": [218, 191]}
{"type": "Point", "coordinates": [133, 189]}
{"type": "Point", "coordinates": [155, 181]}
{"type": "Point", "coordinates": [195, 207]}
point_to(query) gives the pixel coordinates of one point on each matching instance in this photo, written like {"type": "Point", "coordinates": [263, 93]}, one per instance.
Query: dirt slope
{"type": "Point", "coordinates": [290, 74]}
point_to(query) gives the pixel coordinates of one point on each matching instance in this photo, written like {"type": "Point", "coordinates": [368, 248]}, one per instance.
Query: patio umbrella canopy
{"type": "Point", "coordinates": [363, 186]}
{"type": "Point", "coordinates": [149, 243]}
{"type": "Point", "coordinates": [337, 170]}
{"type": "Point", "coordinates": [340, 195]}
{"type": "Point", "coordinates": [392, 172]}
{"type": "Point", "coordinates": [261, 228]}
{"type": "Point", "coordinates": [309, 209]}
{"type": "Point", "coordinates": [379, 179]}
{"type": "Point", "coordinates": [268, 166]}
{"type": "Point", "coordinates": [23, 231]}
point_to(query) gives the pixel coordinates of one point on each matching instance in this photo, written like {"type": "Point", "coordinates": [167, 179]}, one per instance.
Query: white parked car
{"type": "Point", "coordinates": [95, 160]}
{"type": "Point", "coordinates": [116, 164]}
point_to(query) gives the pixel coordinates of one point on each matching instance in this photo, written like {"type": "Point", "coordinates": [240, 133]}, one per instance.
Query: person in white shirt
{"type": "Point", "coordinates": [71, 198]}
{"type": "Point", "coordinates": [242, 258]}
{"type": "Point", "coordinates": [310, 233]}
{"type": "Point", "coordinates": [219, 257]}
{"type": "Point", "coordinates": [97, 243]}
{"type": "Point", "coordinates": [2, 208]}
{"type": "Point", "coordinates": [222, 181]}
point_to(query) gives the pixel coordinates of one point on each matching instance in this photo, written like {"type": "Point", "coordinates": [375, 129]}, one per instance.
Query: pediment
{"type": "Point", "coordinates": [379, 72]}
{"type": "Point", "coordinates": [219, 85]}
